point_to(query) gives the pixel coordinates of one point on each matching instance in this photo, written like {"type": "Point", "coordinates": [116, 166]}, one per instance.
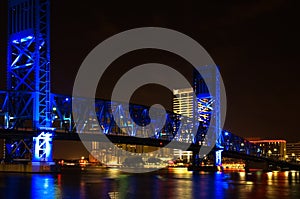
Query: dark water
{"type": "Point", "coordinates": [172, 183]}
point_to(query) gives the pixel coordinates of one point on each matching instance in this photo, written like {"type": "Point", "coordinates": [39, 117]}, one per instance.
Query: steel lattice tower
{"type": "Point", "coordinates": [209, 98]}
{"type": "Point", "coordinates": [28, 63]}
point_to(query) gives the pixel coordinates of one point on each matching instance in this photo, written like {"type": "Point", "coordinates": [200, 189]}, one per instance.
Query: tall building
{"type": "Point", "coordinates": [271, 148]}
{"type": "Point", "coordinates": [184, 104]}
{"type": "Point", "coordinates": [293, 151]}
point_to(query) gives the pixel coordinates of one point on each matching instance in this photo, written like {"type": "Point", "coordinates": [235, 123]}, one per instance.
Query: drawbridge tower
{"type": "Point", "coordinates": [28, 72]}
{"type": "Point", "coordinates": [209, 109]}
{"type": "Point", "coordinates": [28, 63]}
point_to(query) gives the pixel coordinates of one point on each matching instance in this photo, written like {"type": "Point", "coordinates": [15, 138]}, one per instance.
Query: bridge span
{"type": "Point", "coordinates": [246, 153]}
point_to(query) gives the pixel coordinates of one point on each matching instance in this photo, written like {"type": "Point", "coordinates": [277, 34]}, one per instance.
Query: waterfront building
{"type": "Point", "coordinates": [293, 151]}
{"type": "Point", "coordinates": [271, 148]}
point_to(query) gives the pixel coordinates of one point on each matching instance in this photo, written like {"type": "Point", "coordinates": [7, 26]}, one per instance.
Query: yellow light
{"type": "Point", "coordinates": [269, 175]}
{"type": "Point", "coordinates": [242, 175]}
{"type": "Point", "coordinates": [180, 170]}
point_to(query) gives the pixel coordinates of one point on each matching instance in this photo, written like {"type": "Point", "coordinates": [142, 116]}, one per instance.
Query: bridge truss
{"type": "Point", "coordinates": [28, 63]}
{"type": "Point", "coordinates": [106, 111]}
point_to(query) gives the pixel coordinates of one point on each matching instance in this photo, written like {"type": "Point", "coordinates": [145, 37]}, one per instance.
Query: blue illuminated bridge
{"type": "Point", "coordinates": [31, 116]}
{"type": "Point", "coordinates": [21, 136]}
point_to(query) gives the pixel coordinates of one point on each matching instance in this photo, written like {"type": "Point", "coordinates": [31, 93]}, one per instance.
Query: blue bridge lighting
{"type": "Point", "coordinates": [28, 98]}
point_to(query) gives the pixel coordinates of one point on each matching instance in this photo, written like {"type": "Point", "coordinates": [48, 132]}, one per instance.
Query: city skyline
{"type": "Point", "coordinates": [254, 44]}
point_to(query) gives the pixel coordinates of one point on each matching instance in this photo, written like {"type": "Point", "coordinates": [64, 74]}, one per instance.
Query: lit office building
{"type": "Point", "coordinates": [184, 104]}
{"type": "Point", "coordinates": [272, 148]}
{"type": "Point", "coordinates": [293, 151]}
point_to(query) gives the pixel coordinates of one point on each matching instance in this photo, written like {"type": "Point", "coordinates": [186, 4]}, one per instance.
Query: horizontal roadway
{"type": "Point", "coordinates": [117, 139]}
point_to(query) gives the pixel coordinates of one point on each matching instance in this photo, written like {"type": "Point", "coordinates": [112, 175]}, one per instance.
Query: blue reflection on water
{"type": "Point", "coordinates": [209, 185]}
{"type": "Point", "coordinates": [44, 186]}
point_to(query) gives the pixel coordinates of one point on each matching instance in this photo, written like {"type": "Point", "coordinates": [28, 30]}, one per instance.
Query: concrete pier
{"type": "Point", "coordinates": [30, 167]}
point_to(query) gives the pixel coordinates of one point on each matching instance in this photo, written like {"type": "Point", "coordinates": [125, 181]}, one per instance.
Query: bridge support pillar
{"type": "Point", "coordinates": [200, 163]}
{"type": "Point", "coordinates": [195, 157]}
{"type": "Point", "coordinates": [42, 146]}
{"type": "Point", "coordinates": [218, 157]}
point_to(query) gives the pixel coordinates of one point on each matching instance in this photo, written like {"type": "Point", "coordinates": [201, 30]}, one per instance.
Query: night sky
{"type": "Point", "coordinates": [255, 44]}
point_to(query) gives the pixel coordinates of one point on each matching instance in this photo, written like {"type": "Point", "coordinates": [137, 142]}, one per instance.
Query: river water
{"type": "Point", "coordinates": [168, 183]}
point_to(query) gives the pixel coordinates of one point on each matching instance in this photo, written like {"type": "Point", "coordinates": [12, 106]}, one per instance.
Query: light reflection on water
{"type": "Point", "coordinates": [172, 183]}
